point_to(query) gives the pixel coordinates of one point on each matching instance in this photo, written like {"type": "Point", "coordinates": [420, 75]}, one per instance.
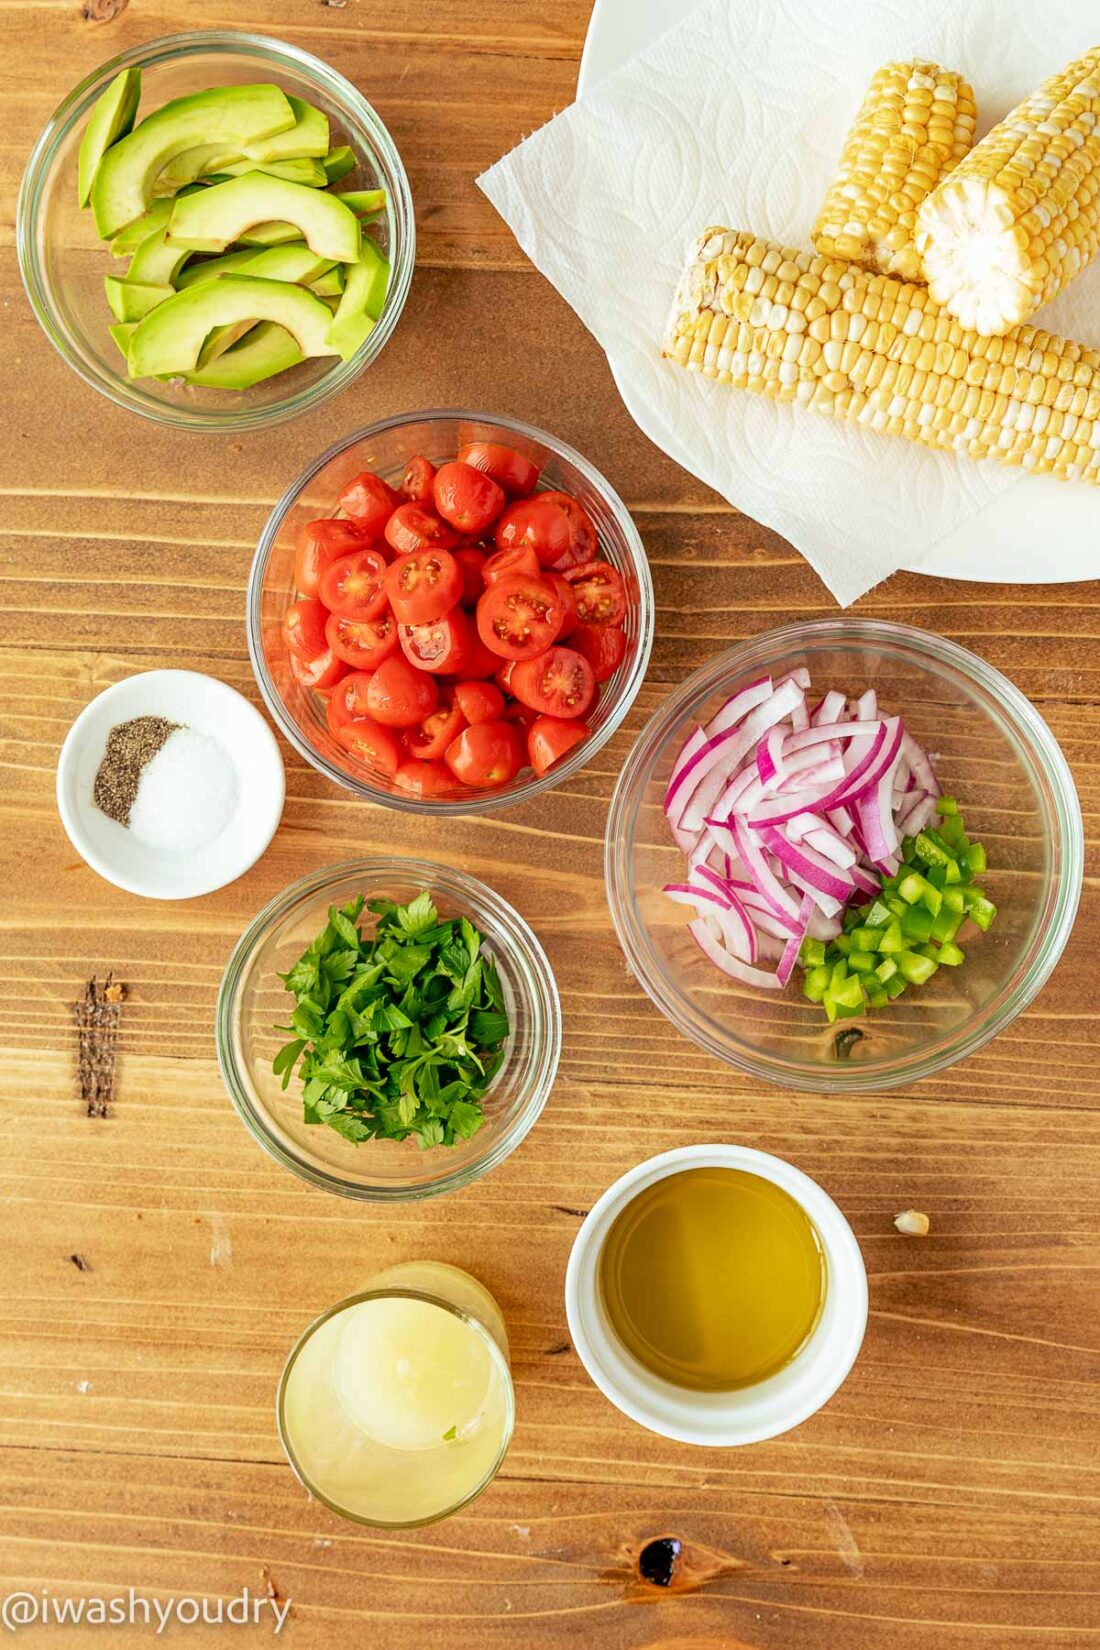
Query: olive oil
{"type": "Point", "coordinates": [713, 1278]}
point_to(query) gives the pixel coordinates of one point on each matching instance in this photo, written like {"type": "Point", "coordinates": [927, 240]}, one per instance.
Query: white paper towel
{"type": "Point", "coordinates": [737, 116]}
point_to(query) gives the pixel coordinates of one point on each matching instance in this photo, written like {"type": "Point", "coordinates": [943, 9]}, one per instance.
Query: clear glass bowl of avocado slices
{"type": "Point", "coordinates": [215, 230]}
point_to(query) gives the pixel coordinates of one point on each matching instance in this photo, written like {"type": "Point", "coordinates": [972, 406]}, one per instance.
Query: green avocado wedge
{"type": "Point", "coordinates": [212, 220]}
{"type": "Point", "coordinates": [263, 352]}
{"type": "Point", "coordinates": [339, 163]}
{"type": "Point", "coordinates": [156, 261]}
{"type": "Point", "coordinates": [274, 263]}
{"type": "Point", "coordinates": [112, 118]}
{"type": "Point", "coordinates": [129, 239]}
{"type": "Point", "coordinates": [122, 188]}
{"type": "Point", "coordinates": [131, 300]}
{"type": "Point", "coordinates": [307, 137]}
{"type": "Point", "coordinates": [171, 337]}
{"type": "Point", "coordinates": [304, 170]}
{"type": "Point", "coordinates": [365, 203]}
{"type": "Point", "coordinates": [329, 284]}
{"type": "Point", "coordinates": [362, 302]}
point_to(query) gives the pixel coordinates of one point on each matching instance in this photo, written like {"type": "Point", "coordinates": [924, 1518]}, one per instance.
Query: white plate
{"type": "Point", "coordinates": [1043, 533]}
{"type": "Point", "coordinates": [209, 707]}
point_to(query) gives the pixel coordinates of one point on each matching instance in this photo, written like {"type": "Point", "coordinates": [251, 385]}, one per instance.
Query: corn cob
{"type": "Point", "coordinates": [915, 123]}
{"type": "Point", "coordinates": [1020, 216]}
{"type": "Point", "coordinates": [798, 326]}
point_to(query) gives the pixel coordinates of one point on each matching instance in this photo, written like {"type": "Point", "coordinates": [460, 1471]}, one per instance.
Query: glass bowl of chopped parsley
{"type": "Point", "coordinates": [388, 1029]}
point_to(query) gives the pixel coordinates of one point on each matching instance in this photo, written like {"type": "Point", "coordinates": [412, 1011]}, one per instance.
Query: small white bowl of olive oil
{"type": "Point", "coordinates": [716, 1295]}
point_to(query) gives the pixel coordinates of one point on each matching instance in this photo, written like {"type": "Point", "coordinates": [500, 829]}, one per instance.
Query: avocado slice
{"type": "Point", "coordinates": [210, 221]}
{"type": "Point", "coordinates": [122, 332]}
{"type": "Point", "coordinates": [233, 115]}
{"type": "Point", "coordinates": [266, 350]}
{"type": "Point", "coordinates": [156, 261]}
{"type": "Point", "coordinates": [338, 163]}
{"type": "Point", "coordinates": [308, 136]}
{"type": "Point", "coordinates": [130, 300]}
{"type": "Point", "coordinates": [170, 338]}
{"type": "Point", "coordinates": [129, 239]}
{"type": "Point", "coordinates": [330, 284]}
{"type": "Point", "coordinates": [112, 118]}
{"type": "Point", "coordinates": [275, 263]}
{"type": "Point", "coordinates": [303, 170]}
{"type": "Point", "coordinates": [365, 203]}
{"type": "Point", "coordinates": [210, 268]}
{"type": "Point", "coordinates": [362, 302]}
{"type": "Point", "coordinates": [219, 339]}
{"type": "Point", "coordinates": [362, 201]}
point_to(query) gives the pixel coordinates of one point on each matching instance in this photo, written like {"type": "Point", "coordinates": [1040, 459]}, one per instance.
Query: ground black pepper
{"type": "Point", "coordinates": [130, 746]}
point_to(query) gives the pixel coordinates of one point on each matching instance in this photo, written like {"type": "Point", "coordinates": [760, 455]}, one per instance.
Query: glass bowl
{"type": "Point", "coordinates": [252, 1002]}
{"type": "Point", "coordinates": [991, 749]}
{"type": "Point", "coordinates": [386, 447]}
{"type": "Point", "coordinates": [63, 261]}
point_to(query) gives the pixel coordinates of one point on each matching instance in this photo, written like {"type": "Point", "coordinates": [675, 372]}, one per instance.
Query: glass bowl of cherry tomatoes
{"type": "Point", "coordinates": [449, 612]}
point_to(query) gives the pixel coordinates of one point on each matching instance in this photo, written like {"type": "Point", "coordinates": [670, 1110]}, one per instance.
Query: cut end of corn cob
{"type": "Point", "coordinates": [915, 123]}
{"type": "Point", "coordinates": [1020, 216]}
{"type": "Point", "coordinates": [799, 326]}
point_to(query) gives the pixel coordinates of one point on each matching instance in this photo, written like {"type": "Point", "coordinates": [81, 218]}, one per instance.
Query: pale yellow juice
{"type": "Point", "coordinates": [397, 1407]}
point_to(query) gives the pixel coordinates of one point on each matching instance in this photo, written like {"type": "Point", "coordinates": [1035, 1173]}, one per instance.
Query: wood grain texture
{"type": "Point", "coordinates": [947, 1498]}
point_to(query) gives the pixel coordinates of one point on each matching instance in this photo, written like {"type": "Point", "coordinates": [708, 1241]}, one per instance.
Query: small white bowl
{"type": "Point", "coordinates": [752, 1413]}
{"type": "Point", "coordinates": [209, 707]}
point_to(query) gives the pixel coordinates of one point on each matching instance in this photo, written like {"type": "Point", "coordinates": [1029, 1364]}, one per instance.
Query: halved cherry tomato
{"type": "Point", "coordinates": [466, 497]}
{"type": "Point", "coordinates": [369, 502]}
{"type": "Point", "coordinates": [320, 672]}
{"type": "Point", "coordinates": [518, 617]}
{"type": "Point", "coordinates": [412, 527]}
{"type": "Point", "coordinates": [548, 739]}
{"type": "Point", "coordinates": [430, 739]}
{"type": "Point", "coordinates": [519, 559]}
{"type": "Point", "coordinates": [348, 700]}
{"type": "Point", "coordinates": [304, 628]}
{"type": "Point", "coordinates": [538, 523]}
{"type": "Point", "coordinates": [490, 754]}
{"type": "Point", "coordinates": [376, 747]}
{"type": "Point", "coordinates": [479, 661]}
{"type": "Point", "coordinates": [503, 677]}
{"type": "Point", "coordinates": [523, 717]}
{"type": "Point", "coordinates": [443, 646]}
{"type": "Point", "coordinates": [584, 541]}
{"type": "Point", "coordinates": [470, 561]}
{"type": "Point", "coordinates": [355, 586]}
{"type": "Point", "coordinates": [319, 544]}
{"type": "Point", "coordinates": [416, 483]}
{"type": "Point", "coordinates": [399, 696]}
{"type": "Point", "coordinates": [479, 701]}
{"type": "Point", "coordinates": [509, 469]}
{"type": "Point", "coordinates": [357, 641]}
{"type": "Point", "coordinates": [424, 779]}
{"type": "Point", "coordinates": [558, 683]}
{"type": "Point", "coordinates": [603, 645]}
{"type": "Point", "coordinates": [600, 592]}
{"type": "Point", "coordinates": [568, 603]}
{"type": "Point", "coordinates": [423, 585]}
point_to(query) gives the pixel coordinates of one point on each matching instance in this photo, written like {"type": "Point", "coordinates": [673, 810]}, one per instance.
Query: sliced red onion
{"type": "Point", "coordinates": [729, 964]}
{"type": "Point", "coordinates": [760, 872]}
{"type": "Point", "coordinates": [738, 705]}
{"type": "Point", "coordinates": [794, 944]}
{"type": "Point", "coordinates": [921, 766]}
{"type": "Point", "coordinates": [830, 709]}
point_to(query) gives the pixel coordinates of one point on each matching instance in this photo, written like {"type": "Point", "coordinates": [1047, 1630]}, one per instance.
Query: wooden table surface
{"type": "Point", "coordinates": [947, 1498]}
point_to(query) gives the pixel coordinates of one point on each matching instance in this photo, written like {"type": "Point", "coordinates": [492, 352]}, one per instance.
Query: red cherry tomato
{"type": "Point", "coordinates": [355, 586]}
{"type": "Point", "coordinates": [509, 469]}
{"type": "Point", "coordinates": [548, 739]}
{"type": "Point", "coordinates": [319, 544]}
{"type": "Point", "coordinates": [518, 617]}
{"type": "Point", "coordinates": [603, 645]}
{"type": "Point", "coordinates": [479, 661]}
{"type": "Point", "coordinates": [399, 696]}
{"type": "Point", "coordinates": [442, 646]}
{"type": "Point", "coordinates": [538, 523]}
{"type": "Point", "coordinates": [416, 483]}
{"type": "Point", "coordinates": [600, 592]}
{"type": "Point", "coordinates": [424, 779]}
{"type": "Point", "coordinates": [348, 700]}
{"type": "Point", "coordinates": [471, 561]}
{"type": "Point", "coordinates": [320, 673]}
{"type": "Point", "coordinates": [558, 683]}
{"type": "Point", "coordinates": [469, 499]}
{"type": "Point", "coordinates": [369, 501]}
{"type": "Point", "coordinates": [304, 628]}
{"type": "Point", "coordinates": [376, 747]}
{"type": "Point", "coordinates": [520, 559]}
{"type": "Point", "coordinates": [412, 527]}
{"type": "Point", "coordinates": [584, 541]}
{"type": "Point", "coordinates": [568, 604]}
{"type": "Point", "coordinates": [479, 701]}
{"type": "Point", "coordinates": [430, 739]}
{"type": "Point", "coordinates": [358, 641]}
{"type": "Point", "coordinates": [523, 717]}
{"type": "Point", "coordinates": [490, 754]}
{"type": "Point", "coordinates": [423, 585]}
